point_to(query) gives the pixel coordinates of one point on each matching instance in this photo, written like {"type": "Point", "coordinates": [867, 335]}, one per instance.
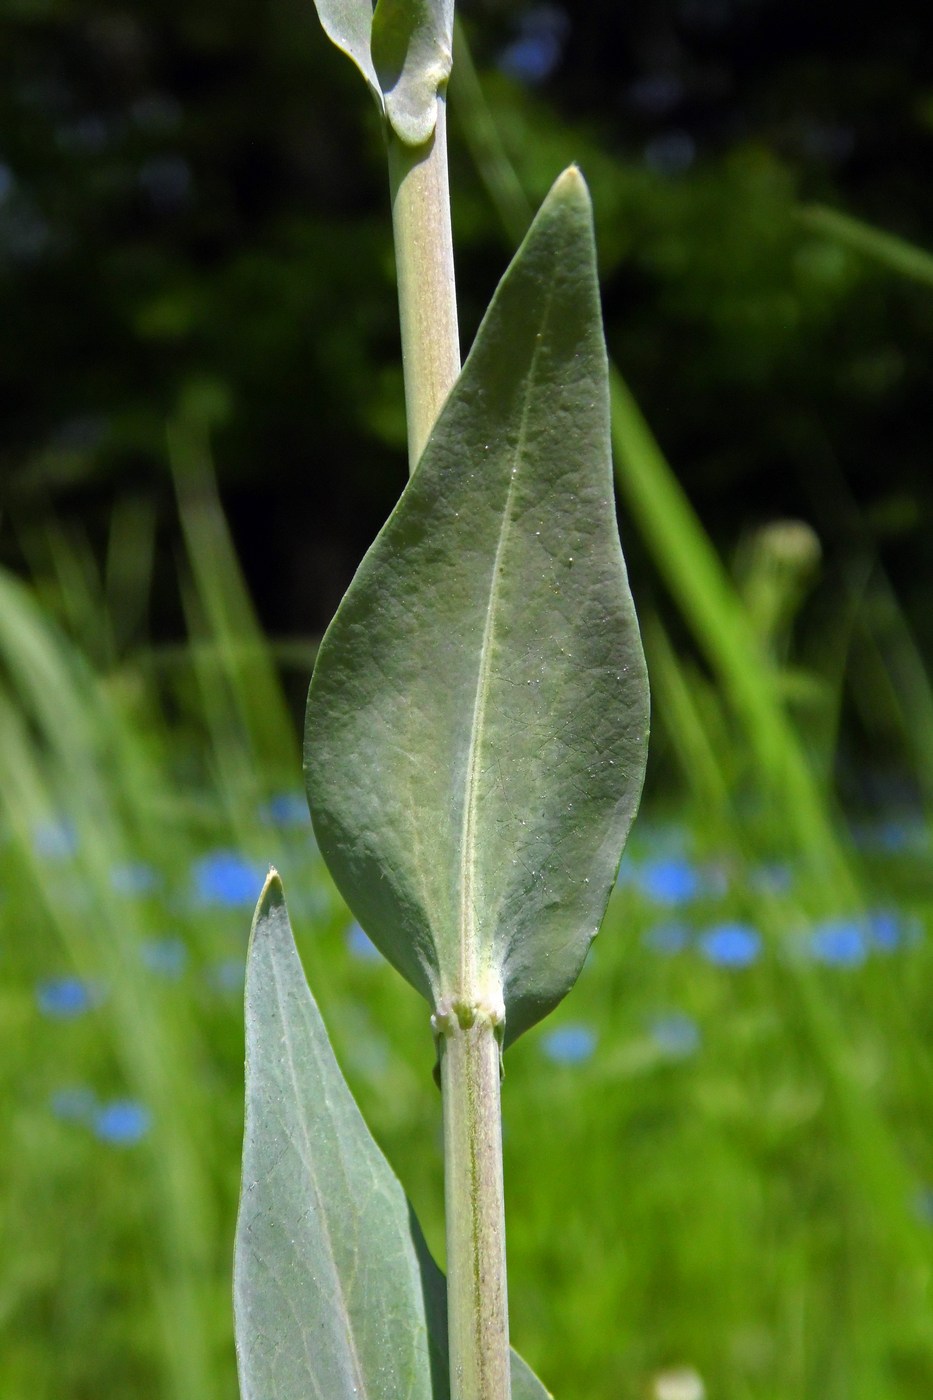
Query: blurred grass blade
{"type": "Point", "coordinates": [241, 651]}
{"type": "Point", "coordinates": [63, 739]}
{"type": "Point", "coordinates": [894, 253]}
{"type": "Point", "coordinates": [335, 1292]}
{"type": "Point", "coordinates": [677, 703]}
{"type": "Point", "coordinates": [478, 716]}
{"type": "Point", "coordinates": [479, 132]}
{"type": "Point", "coordinates": [692, 570]}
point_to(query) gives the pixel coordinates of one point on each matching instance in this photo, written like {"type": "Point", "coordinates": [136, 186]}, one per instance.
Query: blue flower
{"type": "Point", "coordinates": [839, 943]}
{"type": "Point", "coordinates": [134, 878]}
{"type": "Point", "coordinates": [361, 945]}
{"type": "Point", "coordinates": [56, 839]}
{"type": "Point", "coordinates": [122, 1122]}
{"type": "Point", "coordinates": [285, 809]}
{"type": "Point", "coordinates": [225, 879]}
{"type": "Point", "coordinates": [166, 956]}
{"type": "Point", "coordinates": [66, 997]}
{"type": "Point", "coordinates": [569, 1045]}
{"type": "Point", "coordinates": [533, 56]}
{"type": "Point", "coordinates": [73, 1105]}
{"type": "Point", "coordinates": [667, 938]}
{"type": "Point", "coordinates": [731, 944]}
{"type": "Point", "coordinates": [669, 880]}
{"type": "Point", "coordinates": [676, 1034]}
{"type": "Point", "coordinates": [889, 930]}
{"type": "Point", "coordinates": [892, 836]}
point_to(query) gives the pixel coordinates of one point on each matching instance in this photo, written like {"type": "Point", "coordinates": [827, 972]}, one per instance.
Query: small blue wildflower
{"type": "Point", "coordinates": [893, 835]}
{"type": "Point", "coordinates": [166, 956]}
{"type": "Point", "coordinates": [676, 1034]}
{"type": "Point", "coordinates": [667, 938]}
{"type": "Point", "coordinates": [534, 55]}
{"type": "Point", "coordinates": [285, 809]}
{"type": "Point", "coordinates": [73, 1105]}
{"type": "Point", "coordinates": [56, 839]}
{"type": "Point", "coordinates": [669, 880]}
{"type": "Point", "coordinates": [361, 945]}
{"type": "Point", "coordinates": [134, 878]}
{"type": "Point", "coordinates": [66, 997]}
{"type": "Point", "coordinates": [225, 879]}
{"type": "Point", "coordinates": [569, 1045]}
{"type": "Point", "coordinates": [889, 930]}
{"type": "Point", "coordinates": [731, 944]}
{"type": "Point", "coordinates": [122, 1122]}
{"type": "Point", "coordinates": [839, 943]}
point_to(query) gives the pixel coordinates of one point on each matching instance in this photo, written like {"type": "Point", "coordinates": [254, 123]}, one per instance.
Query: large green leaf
{"type": "Point", "coordinates": [478, 716]}
{"type": "Point", "coordinates": [335, 1293]}
{"type": "Point", "coordinates": [412, 49]}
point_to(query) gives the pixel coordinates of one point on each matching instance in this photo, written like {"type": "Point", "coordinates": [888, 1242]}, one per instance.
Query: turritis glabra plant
{"type": "Point", "coordinates": [475, 747]}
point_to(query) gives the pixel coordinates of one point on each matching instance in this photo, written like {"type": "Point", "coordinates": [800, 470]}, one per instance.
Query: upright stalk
{"type": "Point", "coordinates": [477, 1296]}
{"type": "Point", "coordinates": [427, 293]}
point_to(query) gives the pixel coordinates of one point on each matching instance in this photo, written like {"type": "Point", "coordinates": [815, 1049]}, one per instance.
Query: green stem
{"type": "Point", "coordinates": [427, 296]}
{"type": "Point", "coordinates": [477, 1295]}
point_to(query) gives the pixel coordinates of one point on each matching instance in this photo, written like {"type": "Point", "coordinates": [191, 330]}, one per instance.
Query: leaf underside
{"type": "Point", "coordinates": [404, 52]}
{"type": "Point", "coordinates": [335, 1293]}
{"type": "Point", "coordinates": [348, 25]}
{"type": "Point", "coordinates": [412, 46]}
{"type": "Point", "coordinates": [478, 717]}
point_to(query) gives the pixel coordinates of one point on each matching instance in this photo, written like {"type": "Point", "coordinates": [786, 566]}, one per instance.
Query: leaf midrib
{"type": "Point", "coordinates": [469, 989]}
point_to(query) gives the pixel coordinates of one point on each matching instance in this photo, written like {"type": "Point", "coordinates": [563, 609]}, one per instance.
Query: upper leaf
{"type": "Point", "coordinates": [335, 1293]}
{"type": "Point", "coordinates": [478, 716]}
{"type": "Point", "coordinates": [412, 50]}
{"type": "Point", "coordinates": [404, 51]}
{"type": "Point", "coordinates": [348, 24]}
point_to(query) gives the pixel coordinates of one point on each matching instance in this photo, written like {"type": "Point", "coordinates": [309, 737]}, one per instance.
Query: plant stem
{"type": "Point", "coordinates": [427, 295]}
{"type": "Point", "coordinates": [477, 1296]}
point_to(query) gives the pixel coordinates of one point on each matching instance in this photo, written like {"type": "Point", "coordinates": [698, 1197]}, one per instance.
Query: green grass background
{"type": "Point", "coordinates": [754, 1201]}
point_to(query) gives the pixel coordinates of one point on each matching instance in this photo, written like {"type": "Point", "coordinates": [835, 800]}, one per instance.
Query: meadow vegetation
{"type": "Point", "coordinates": [718, 1163]}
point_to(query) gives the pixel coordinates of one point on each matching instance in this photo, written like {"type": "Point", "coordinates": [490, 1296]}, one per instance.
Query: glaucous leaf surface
{"type": "Point", "coordinates": [412, 45]}
{"type": "Point", "coordinates": [478, 716]}
{"type": "Point", "coordinates": [404, 51]}
{"type": "Point", "coordinates": [348, 24]}
{"type": "Point", "coordinates": [335, 1293]}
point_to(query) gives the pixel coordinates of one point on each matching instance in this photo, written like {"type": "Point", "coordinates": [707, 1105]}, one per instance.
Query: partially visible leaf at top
{"type": "Point", "coordinates": [348, 24]}
{"type": "Point", "coordinates": [478, 716]}
{"type": "Point", "coordinates": [412, 47]}
{"type": "Point", "coordinates": [335, 1293]}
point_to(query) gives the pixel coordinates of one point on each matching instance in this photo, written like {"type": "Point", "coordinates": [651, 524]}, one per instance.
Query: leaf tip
{"type": "Point", "coordinates": [271, 898]}
{"type": "Point", "coordinates": [570, 185]}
